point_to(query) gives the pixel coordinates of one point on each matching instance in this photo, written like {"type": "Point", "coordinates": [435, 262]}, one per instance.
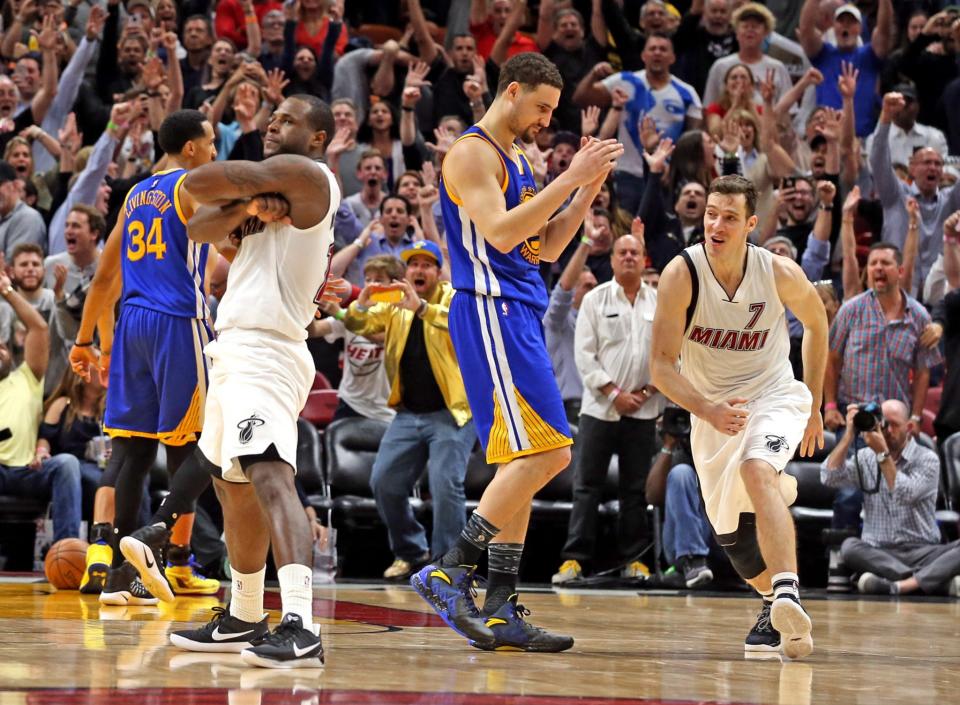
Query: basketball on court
{"type": "Point", "coordinates": [65, 563]}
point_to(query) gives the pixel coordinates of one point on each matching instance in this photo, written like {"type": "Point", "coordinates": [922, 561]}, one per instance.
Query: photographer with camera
{"type": "Point", "coordinates": [672, 482]}
{"type": "Point", "coordinates": [900, 550]}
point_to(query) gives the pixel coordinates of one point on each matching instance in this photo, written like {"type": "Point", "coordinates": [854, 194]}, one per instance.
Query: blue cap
{"type": "Point", "coordinates": [423, 247]}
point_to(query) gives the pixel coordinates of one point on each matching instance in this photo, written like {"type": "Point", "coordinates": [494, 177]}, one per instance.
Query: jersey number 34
{"type": "Point", "coordinates": [139, 246]}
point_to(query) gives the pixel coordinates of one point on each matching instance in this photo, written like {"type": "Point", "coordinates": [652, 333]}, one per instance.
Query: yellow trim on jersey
{"type": "Point", "coordinates": [176, 198]}
{"type": "Point", "coordinates": [168, 439]}
{"type": "Point", "coordinates": [192, 421]}
{"type": "Point", "coordinates": [542, 436]}
{"type": "Point", "coordinates": [486, 138]}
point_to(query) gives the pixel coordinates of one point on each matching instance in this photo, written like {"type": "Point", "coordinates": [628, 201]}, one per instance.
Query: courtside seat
{"type": "Point", "coordinates": [351, 447]}
{"type": "Point", "coordinates": [310, 464]}
{"type": "Point", "coordinates": [320, 407]}
{"type": "Point", "coordinates": [814, 505]}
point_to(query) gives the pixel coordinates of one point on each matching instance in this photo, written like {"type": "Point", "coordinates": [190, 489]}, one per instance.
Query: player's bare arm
{"type": "Point", "coordinates": [296, 178]}
{"type": "Point", "coordinates": [103, 293]}
{"type": "Point", "coordinates": [668, 328]}
{"type": "Point", "coordinates": [797, 294]}
{"type": "Point", "coordinates": [473, 174]}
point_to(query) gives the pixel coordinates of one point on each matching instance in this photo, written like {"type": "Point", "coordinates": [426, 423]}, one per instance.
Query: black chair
{"type": "Point", "coordinates": [310, 464]}
{"type": "Point", "coordinates": [948, 516]}
{"type": "Point", "coordinates": [351, 447]}
{"type": "Point", "coordinates": [814, 504]}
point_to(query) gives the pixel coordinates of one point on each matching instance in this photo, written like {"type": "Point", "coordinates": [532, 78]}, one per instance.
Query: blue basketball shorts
{"type": "Point", "coordinates": [158, 377]}
{"type": "Point", "coordinates": [508, 376]}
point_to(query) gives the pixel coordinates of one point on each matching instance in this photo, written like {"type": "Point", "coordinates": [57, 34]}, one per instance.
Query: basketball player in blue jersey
{"type": "Point", "coordinates": [157, 379]}
{"type": "Point", "coordinates": [498, 229]}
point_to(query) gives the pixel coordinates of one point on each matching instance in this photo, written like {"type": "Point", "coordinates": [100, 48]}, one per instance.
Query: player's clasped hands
{"type": "Point", "coordinates": [729, 417]}
{"type": "Point", "coordinates": [270, 208]}
{"type": "Point", "coordinates": [594, 158]}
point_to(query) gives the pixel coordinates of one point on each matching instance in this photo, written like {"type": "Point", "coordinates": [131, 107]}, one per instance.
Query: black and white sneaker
{"type": "Point", "coordinates": [763, 638]}
{"type": "Point", "coordinates": [144, 549]}
{"type": "Point", "coordinates": [789, 618]}
{"type": "Point", "coordinates": [123, 587]}
{"type": "Point", "coordinates": [223, 633]}
{"type": "Point", "coordinates": [290, 645]}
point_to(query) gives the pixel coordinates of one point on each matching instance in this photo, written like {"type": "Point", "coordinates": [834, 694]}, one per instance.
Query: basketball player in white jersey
{"type": "Point", "coordinates": [260, 375]}
{"type": "Point", "coordinates": [721, 314]}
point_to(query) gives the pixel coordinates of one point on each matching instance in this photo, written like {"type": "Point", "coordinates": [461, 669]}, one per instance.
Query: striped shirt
{"type": "Point", "coordinates": [905, 514]}
{"type": "Point", "coordinates": [879, 356]}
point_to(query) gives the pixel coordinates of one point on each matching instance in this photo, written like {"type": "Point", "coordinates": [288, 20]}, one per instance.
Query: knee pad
{"type": "Point", "coordinates": [743, 549]}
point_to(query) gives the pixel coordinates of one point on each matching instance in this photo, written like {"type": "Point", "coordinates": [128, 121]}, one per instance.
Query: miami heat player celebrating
{"type": "Point", "coordinates": [724, 320]}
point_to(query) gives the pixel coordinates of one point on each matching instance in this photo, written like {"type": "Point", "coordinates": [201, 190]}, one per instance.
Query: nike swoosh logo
{"type": "Point", "coordinates": [219, 636]}
{"type": "Point", "coordinates": [298, 652]}
{"type": "Point", "coordinates": [146, 555]}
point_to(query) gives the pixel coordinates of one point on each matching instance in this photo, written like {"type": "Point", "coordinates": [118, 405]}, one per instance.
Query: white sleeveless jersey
{"type": "Point", "coordinates": [278, 274]}
{"type": "Point", "coordinates": [736, 346]}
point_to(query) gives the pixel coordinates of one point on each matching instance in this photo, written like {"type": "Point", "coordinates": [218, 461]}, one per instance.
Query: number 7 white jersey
{"type": "Point", "coordinates": [735, 346]}
{"type": "Point", "coordinates": [277, 277]}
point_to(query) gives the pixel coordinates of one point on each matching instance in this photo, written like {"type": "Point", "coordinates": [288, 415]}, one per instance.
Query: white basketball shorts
{"type": "Point", "coordinates": [773, 432]}
{"type": "Point", "coordinates": [259, 382]}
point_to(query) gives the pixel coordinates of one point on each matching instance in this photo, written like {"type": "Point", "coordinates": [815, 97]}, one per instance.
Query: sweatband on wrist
{"type": "Point", "coordinates": [830, 405]}
{"type": "Point", "coordinates": [614, 393]}
{"type": "Point", "coordinates": [111, 125]}
{"type": "Point", "coordinates": [340, 314]}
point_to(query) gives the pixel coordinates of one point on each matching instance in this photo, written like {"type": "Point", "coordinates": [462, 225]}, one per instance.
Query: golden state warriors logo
{"type": "Point", "coordinates": [530, 248]}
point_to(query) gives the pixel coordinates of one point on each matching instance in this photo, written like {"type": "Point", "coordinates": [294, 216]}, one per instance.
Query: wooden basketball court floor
{"type": "Point", "coordinates": [383, 646]}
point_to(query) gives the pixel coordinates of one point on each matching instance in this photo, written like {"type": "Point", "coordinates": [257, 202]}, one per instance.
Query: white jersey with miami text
{"type": "Point", "coordinates": [735, 346]}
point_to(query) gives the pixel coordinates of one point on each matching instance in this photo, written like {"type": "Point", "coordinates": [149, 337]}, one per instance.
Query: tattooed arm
{"type": "Point", "coordinates": [297, 179]}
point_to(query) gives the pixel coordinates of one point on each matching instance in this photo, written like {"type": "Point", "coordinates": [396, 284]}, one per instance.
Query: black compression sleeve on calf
{"type": "Point", "coordinates": [189, 482]}
{"type": "Point", "coordinates": [135, 457]}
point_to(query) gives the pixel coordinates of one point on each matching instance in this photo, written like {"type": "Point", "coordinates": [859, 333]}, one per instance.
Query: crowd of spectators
{"type": "Point", "coordinates": [844, 115]}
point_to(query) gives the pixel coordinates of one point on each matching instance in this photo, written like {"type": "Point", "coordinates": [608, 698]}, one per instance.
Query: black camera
{"type": "Point", "coordinates": [676, 422]}
{"type": "Point", "coordinates": [869, 417]}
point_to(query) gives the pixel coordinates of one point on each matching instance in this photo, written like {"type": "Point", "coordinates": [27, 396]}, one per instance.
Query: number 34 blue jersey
{"type": "Point", "coordinates": [163, 269]}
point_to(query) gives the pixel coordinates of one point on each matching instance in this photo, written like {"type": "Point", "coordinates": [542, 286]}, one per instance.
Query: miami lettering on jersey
{"type": "Point", "coordinates": [723, 339]}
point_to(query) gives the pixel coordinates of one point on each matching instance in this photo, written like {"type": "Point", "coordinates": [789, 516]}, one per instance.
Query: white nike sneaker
{"type": "Point", "coordinates": [222, 633]}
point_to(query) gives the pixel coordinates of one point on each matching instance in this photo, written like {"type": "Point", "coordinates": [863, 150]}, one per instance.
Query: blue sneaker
{"type": "Point", "coordinates": [513, 633]}
{"type": "Point", "coordinates": [449, 591]}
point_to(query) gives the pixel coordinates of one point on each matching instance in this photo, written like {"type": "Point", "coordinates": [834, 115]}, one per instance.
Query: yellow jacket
{"type": "Point", "coordinates": [396, 322]}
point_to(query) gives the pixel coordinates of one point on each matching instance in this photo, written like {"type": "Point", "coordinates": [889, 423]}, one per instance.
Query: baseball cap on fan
{"type": "Point", "coordinates": [423, 247]}
{"type": "Point", "coordinates": [848, 9]}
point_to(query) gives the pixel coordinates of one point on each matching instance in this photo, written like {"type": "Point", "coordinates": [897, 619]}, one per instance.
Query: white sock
{"type": "Point", "coordinates": [246, 595]}
{"type": "Point", "coordinates": [786, 585]}
{"type": "Point", "coordinates": [296, 592]}
{"type": "Point", "coordinates": [767, 597]}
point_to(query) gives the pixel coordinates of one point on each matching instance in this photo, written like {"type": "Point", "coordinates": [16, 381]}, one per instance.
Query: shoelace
{"type": "Point", "coordinates": [467, 588]}
{"type": "Point", "coordinates": [519, 611]}
{"type": "Point", "coordinates": [219, 614]}
{"type": "Point", "coordinates": [286, 630]}
{"type": "Point", "coordinates": [763, 620]}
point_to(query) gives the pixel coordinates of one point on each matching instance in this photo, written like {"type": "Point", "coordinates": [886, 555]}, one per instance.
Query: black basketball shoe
{"type": "Point", "coordinates": [763, 638]}
{"type": "Point", "coordinates": [144, 548]}
{"type": "Point", "coordinates": [290, 645]}
{"type": "Point", "coordinates": [123, 587]}
{"type": "Point", "coordinates": [513, 633]}
{"type": "Point", "coordinates": [223, 633]}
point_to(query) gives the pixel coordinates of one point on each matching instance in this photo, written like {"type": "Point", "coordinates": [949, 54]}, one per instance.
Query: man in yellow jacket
{"type": "Point", "coordinates": [433, 428]}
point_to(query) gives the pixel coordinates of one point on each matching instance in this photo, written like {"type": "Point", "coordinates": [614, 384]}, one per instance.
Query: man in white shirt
{"type": "Point", "coordinates": [619, 409]}
{"type": "Point", "coordinates": [906, 134]}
